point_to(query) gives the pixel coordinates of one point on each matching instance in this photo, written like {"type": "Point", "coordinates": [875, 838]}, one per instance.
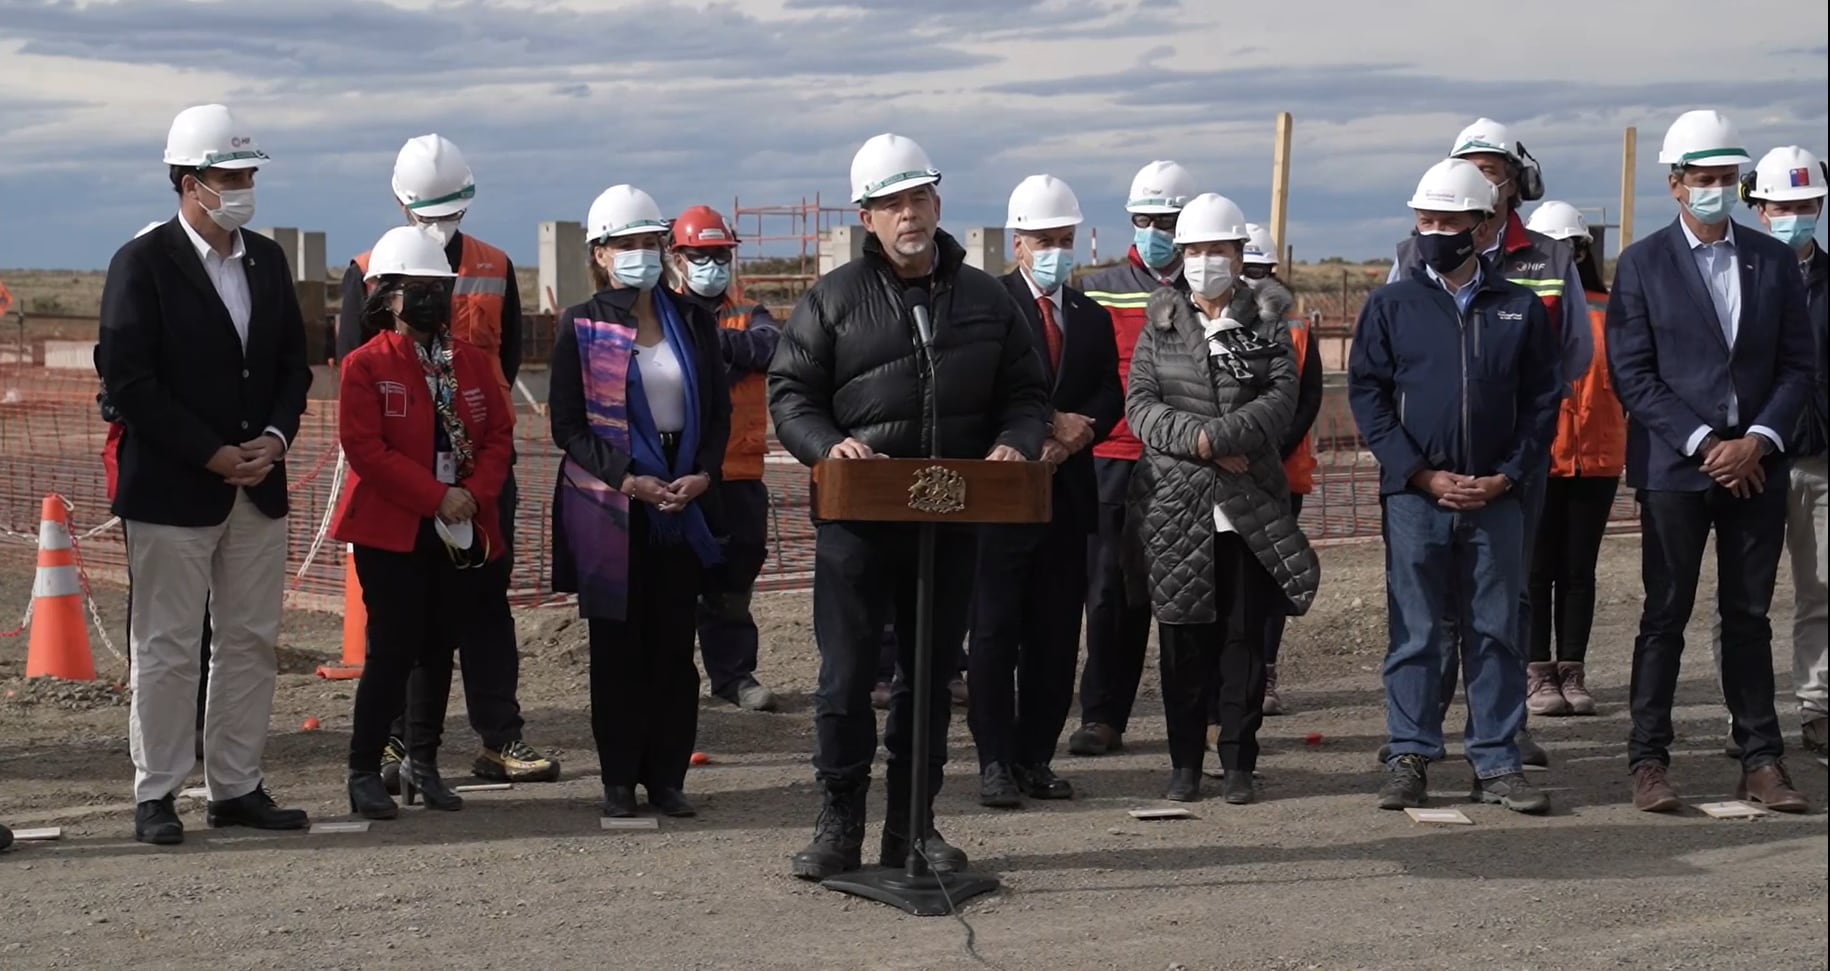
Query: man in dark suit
{"type": "Point", "coordinates": [1032, 579]}
{"type": "Point", "coordinates": [202, 354]}
{"type": "Point", "coordinates": [1711, 354]}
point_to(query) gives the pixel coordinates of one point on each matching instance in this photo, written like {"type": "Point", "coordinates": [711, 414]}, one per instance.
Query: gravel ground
{"type": "Point", "coordinates": [1312, 877]}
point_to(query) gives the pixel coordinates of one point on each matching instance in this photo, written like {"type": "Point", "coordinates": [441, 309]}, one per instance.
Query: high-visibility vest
{"type": "Point", "coordinates": [743, 456]}
{"type": "Point", "coordinates": [1299, 468]}
{"type": "Point", "coordinates": [1591, 426]}
{"type": "Point", "coordinates": [478, 297]}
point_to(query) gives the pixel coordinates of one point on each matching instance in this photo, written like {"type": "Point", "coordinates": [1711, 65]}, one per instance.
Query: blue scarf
{"type": "Point", "coordinates": [647, 457]}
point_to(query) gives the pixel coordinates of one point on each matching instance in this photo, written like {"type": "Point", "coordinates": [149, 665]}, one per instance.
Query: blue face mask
{"type": "Point", "coordinates": [637, 268]}
{"type": "Point", "coordinates": [1051, 268]}
{"type": "Point", "coordinates": [1155, 247]}
{"type": "Point", "coordinates": [1793, 230]}
{"type": "Point", "coordinates": [708, 279]}
{"type": "Point", "coordinates": [1710, 205]}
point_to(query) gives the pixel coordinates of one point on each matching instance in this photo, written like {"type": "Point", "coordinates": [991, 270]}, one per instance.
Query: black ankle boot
{"type": "Point", "coordinates": [368, 797]}
{"type": "Point", "coordinates": [1184, 785]}
{"type": "Point", "coordinates": [838, 834]}
{"type": "Point", "coordinates": [420, 778]}
{"type": "Point", "coordinates": [619, 802]}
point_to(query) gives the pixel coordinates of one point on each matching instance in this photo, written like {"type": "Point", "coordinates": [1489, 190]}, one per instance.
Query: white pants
{"type": "Point", "coordinates": [1807, 519]}
{"type": "Point", "coordinates": [239, 569]}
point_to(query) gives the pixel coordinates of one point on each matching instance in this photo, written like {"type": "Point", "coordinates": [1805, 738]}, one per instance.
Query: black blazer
{"type": "Point", "coordinates": [1087, 384]}
{"type": "Point", "coordinates": [174, 370]}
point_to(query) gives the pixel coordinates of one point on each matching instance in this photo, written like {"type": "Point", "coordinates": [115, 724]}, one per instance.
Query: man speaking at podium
{"type": "Point", "coordinates": [851, 381]}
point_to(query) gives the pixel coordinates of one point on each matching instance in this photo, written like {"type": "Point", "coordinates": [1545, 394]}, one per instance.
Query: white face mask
{"type": "Point", "coordinates": [234, 207]}
{"type": "Point", "coordinates": [1210, 276]}
{"type": "Point", "coordinates": [443, 230]}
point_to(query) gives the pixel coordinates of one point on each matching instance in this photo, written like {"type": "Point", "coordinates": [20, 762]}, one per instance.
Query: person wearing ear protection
{"type": "Point", "coordinates": [702, 263]}
{"type": "Point", "coordinates": [1710, 347]}
{"type": "Point", "coordinates": [1211, 399]}
{"type": "Point", "coordinates": [1118, 599]}
{"type": "Point", "coordinates": [640, 405]}
{"type": "Point", "coordinates": [428, 432]}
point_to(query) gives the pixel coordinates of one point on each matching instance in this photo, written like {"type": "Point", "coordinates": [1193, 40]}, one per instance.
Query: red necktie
{"type": "Point", "coordinates": [1051, 333]}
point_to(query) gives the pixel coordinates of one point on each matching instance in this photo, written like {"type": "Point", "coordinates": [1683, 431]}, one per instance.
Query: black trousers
{"type": "Point", "coordinates": [888, 648]}
{"type": "Point", "coordinates": [644, 684]}
{"type": "Point", "coordinates": [491, 700]}
{"type": "Point", "coordinates": [1025, 640]}
{"type": "Point", "coordinates": [1749, 536]}
{"type": "Point", "coordinates": [728, 638]}
{"type": "Point", "coordinates": [1118, 631]}
{"type": "Point", "coordinates": [420, 606]}
{"type": "Point", "coordinates": [863, 578]}
{"type": "Point", "coordinates": [1225, 657]}
{"type": "Point", "coordinates": [1563, 560]}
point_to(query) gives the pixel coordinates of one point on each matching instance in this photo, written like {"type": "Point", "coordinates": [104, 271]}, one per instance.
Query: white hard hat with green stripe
{"type": "Point", "coordinates": [209, 137]}
{"type": "Point", "coordinates": [888, 164]}
{"type": "Point", "coordinates": [432, 179]}
{"type": "Point", "coordinates": [1702, 137]}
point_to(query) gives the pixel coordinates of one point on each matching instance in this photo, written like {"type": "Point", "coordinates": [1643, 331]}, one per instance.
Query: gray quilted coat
{"type": "Point", "coordinates": [1176, 391]}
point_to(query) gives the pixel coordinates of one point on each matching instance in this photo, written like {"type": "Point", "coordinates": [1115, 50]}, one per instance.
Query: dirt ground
{"type": "Point", "coordinates": [1312, 877]}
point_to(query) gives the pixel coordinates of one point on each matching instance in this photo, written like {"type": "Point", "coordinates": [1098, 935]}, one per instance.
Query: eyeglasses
{"type": "Point", "coordinates": [700, 257]}
{"type": "Point", "coordinates": [1165, 221]}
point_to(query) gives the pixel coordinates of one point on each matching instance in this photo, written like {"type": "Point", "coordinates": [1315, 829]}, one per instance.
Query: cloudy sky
{"type": "Point", "coordinates": [764, 101]}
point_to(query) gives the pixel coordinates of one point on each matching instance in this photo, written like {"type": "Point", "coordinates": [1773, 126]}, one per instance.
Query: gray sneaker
{"type": "Point", "coordinates": [752, 696]}
{"type": "Point", "coordinates": [1514, 791]}
{"type": "Point", "coordinates": [1407, 784]}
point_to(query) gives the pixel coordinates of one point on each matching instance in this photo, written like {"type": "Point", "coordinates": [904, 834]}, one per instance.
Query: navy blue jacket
{"type": "Point", "coordinates": [1813, 435]}
{"type": "Point", "coordinates": [1673, 369]}
{"type": "Point", "coordinates": [1434, 388]}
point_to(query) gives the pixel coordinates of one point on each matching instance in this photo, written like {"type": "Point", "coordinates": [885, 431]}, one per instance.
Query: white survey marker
{"type": "Point", "coordinates": [1735, 809]}
{"type": "Point", "coordinates": [349, 826]}
{"type": "Point", "coordinates": [628, 822]}
{"type": "Point", "coordinates": [1451, 817]}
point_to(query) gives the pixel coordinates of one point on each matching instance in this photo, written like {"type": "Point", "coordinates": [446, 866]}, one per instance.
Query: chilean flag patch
{"type": "Point", "coordinates": [1800, 177]}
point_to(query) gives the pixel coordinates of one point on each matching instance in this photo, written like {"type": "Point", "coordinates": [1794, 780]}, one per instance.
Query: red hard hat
{"type": "Point", "coordinates": [701, 227]}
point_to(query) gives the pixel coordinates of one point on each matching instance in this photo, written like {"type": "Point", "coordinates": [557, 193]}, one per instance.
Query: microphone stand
{"type": "Point", "coordinates": [916, 888]}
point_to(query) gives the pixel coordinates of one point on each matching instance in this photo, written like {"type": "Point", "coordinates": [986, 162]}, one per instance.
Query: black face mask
{"type": "Point", "coordinates": [425, 307]}
{"type": "Point", "coordinates": [1445, 254]}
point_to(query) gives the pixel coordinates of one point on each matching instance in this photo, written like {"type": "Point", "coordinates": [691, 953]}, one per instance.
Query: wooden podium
{"type": "Point", "coordinates": [927, 493]}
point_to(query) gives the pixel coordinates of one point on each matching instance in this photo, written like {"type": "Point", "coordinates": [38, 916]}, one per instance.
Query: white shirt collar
{"type": "Point", "coordinates": [1035, 291]}
{"type": "Point", "coordinates": [1696, 243]}
{"type": "Point", "coordinates": [205, 251]}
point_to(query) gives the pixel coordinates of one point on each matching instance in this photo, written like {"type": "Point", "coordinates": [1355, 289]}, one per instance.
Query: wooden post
{"type": "Point", "coordinates": [1280, 180]}
{"type": "Point", "coordinates": [1629, 159]}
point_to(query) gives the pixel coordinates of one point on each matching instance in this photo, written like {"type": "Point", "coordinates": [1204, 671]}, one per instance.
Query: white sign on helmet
{"type": "Point", "coordinates": [888, 164]}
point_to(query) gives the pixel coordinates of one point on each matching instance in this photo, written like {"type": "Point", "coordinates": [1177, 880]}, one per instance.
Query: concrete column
{"type": "Point", "coordinates": [304, 251]}
{"type": "Point", "coordinates": [985, 248]}
{"type": "Point", "coordinates": [565, 266]}
{"type": "Point", "coordinates": [839, 246]}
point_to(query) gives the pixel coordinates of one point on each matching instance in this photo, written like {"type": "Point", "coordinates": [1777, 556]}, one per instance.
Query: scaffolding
{"type": "Point", "coordinates": [780, 257]}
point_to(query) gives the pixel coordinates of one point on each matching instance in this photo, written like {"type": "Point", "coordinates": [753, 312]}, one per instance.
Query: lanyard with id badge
{"type": "Point", "coordinates": [444, 465]}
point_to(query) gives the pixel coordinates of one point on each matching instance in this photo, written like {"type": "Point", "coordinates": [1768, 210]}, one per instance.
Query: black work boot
{"type": "Point", "coordinates": [838, 833]}
{"type": "Point", "coordinates": [893, 851]}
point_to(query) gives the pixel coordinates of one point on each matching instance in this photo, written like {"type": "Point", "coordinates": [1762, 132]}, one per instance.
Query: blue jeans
{"type": "Point", "coordinates": [1530, 494]}
{"type": "Point", "coordinates": [1466, 566]}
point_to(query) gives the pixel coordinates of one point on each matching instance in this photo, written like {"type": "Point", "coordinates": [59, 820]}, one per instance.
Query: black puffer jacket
{"type": "Point", "coordinates": [849, 364]}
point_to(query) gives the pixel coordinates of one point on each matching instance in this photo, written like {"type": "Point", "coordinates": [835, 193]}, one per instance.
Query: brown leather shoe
{"type": "Point", "coordinates": [1094, 738]}
{"type": "Point", "coordinates": [1652, 792]}
{"type": "Point", "coordinates": [1771, 786]}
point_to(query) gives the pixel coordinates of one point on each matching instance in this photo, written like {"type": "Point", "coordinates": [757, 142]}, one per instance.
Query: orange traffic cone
{"type": "Point", "coordinates": [60, 637]}
{"type": "Point", "coordinates": [355, 626]}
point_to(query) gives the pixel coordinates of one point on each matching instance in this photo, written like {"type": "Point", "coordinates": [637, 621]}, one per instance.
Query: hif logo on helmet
{"type": "Point", "coordinates": [239, 141]}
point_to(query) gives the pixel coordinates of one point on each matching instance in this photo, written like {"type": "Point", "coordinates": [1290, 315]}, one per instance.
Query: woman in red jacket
{"type": "Point", "coordinates": [428, 434]}
{"type": "Point", "coordinates": [1585, 465]}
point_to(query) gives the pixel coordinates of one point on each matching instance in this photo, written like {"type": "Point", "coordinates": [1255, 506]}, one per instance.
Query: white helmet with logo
{"type": "Point", "coordinates": [407, 251]}
{"type": "Point", "coordinates": [623, 210]}
{"type": "Point", "coordinates": [1702, 137]}
{"type": "Point", "coordinates": [1260, 248]}
{"type": "Point", "coordinates": [209, 137]}
{"type": "Point", "coordinates": [1209, 218]}
{"type": "Point", "coordinates": [432, 179]}
{"type": "Point", "coordinates": [1558, 220]}
{"type": "Point", "coordinates": [888, 164]}
{"type": "Point", "coordinates": [1042, 202]}
{"type": "Point", "coordinates": [1484, 136]}
{"type": "Point", "coordinates": [1160, 187]}
{"type": "Point", "coordinates": [1455, 185]}
{"type": "Point", "coordinates": [1787, 175]}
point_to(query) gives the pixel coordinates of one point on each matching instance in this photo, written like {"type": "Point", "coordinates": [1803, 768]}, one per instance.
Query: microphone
{"type": "Point", "coordinates": [916, 300]}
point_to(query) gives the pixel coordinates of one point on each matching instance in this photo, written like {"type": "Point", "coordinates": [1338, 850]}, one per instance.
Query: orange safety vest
{"type": "Point", "coordinates": [1591, 427]}
{"type": "Point", "coordinates": [1299, 468]}
{"type": "Point", "coordinates": [743, 457]}
{"type": "Point", "coordinates": [478, 296]}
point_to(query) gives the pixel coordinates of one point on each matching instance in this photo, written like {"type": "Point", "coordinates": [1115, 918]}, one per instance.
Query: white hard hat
{"type": "Point", "coordinates": [1160, 187]}
{"type": "Point", "coordinates": [1042, 202]}
{"type": "Point", "coordinates": [623, 210]}
{"type": "Point", "coordinates": [1485, 135]}
{"type": "Point", "coordinates": [1260, 248]}
{"type": "Point", "coordinates": [1702, 137]}
{"type": "Point", "coordinates": [1558, 220]}
{"type": "Point", "coordinates": [208, 137]}
{"type": "Point", "coordinates": [407, 251]}
{"type": "Point", "coordinates": [1455, 185]}
{"type": "Point", "coordinates": [888, 164]}
{"type": "Point", "coordinates": [149, 227]}
{"type": "Point", "coordinates": [431, 177]}
{"type": "Point", "coordinates": [1210, 218]}
{"type": "Point", "coordinates": [1787, 174]}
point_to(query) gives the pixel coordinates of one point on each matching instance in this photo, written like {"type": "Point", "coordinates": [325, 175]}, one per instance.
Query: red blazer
{"type": "Point", "coordinates": [387, 424]}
